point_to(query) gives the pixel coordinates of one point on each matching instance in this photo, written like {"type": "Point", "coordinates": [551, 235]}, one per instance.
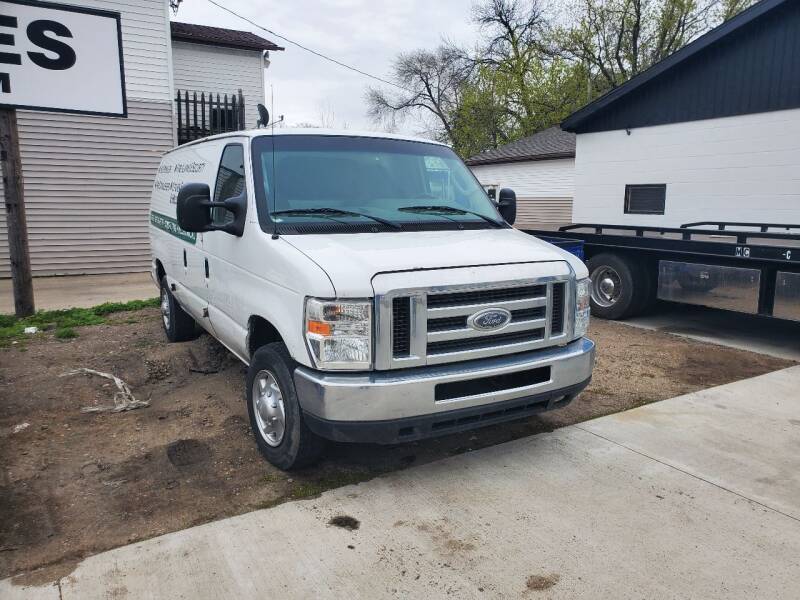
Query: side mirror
{"type": "Point", "coordinates": [507, 205]}
{"type": "Point", "coordinates": [194, 210]}
{"type": "Point", "coordinates": [193, 207]}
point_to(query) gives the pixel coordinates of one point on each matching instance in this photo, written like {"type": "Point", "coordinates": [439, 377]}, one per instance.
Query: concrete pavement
{"type": "Point", "coordinates": [693, 497]}
{"type": "Point", "coordinates": [82, 291]}
{"type": "Point", "coordinates": [735, 330]}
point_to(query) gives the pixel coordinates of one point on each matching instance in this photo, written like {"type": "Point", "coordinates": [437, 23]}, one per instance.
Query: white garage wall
{"type": "Point", "coordinates": [544, 189]}
{"type": "Point", "coordinates": [221, 71]}
{"type": "Point", "coordinates": [744, 168]}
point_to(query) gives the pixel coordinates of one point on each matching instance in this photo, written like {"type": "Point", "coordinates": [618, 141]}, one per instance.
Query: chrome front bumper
{"type": "Point", "coordinates": [409, 393]}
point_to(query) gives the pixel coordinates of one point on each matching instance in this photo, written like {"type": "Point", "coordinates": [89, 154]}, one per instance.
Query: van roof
{"type": "Point", "coordinates": [265, 132]}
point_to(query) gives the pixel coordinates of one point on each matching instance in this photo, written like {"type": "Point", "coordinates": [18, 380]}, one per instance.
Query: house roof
{"type": "Point", "coordinates": [218, 36]}
{"type": "Point", "coordinates": [581, 119]}
{"type": "Point", "coordinates": [547, 144]}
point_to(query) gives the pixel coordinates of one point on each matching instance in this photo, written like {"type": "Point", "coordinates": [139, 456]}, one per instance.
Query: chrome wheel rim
{"type": "Point", "coordinates": [606, 286]}
{"type": "Point", "coordinates": [165, 308]}
{"type": "Point", "coordinates": [268, 408]}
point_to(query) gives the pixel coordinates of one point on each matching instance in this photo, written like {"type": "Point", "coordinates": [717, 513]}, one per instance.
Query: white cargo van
{"type": "Point", "coordinates": [374, 290]}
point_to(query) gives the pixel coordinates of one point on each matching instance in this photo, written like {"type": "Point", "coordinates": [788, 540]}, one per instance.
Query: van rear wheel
{"type": "Point", "coordinates": [282, 436]}
{"type": "Point", "coordinates": [178, 324]}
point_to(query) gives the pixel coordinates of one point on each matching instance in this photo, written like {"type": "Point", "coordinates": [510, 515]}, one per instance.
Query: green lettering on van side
{"type": "Point", "coordinates": [171, 226]}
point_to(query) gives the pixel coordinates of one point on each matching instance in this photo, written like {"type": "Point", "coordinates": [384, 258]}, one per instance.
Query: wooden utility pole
{"type": "Point", "coordinates": [15, 214]}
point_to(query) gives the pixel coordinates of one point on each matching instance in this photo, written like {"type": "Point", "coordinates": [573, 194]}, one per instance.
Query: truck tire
{"type": "Point", "coordinates": [276, 418]}
{"type": "Point", "coordinates": [620, 286]}
{"type": "Point", "coordinates": [178, 324]}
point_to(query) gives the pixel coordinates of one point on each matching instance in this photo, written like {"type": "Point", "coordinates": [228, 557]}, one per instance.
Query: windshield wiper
{"type": "Point", "coordinates": [329, 212]}
{"type": "Point", "coordinates": [444, 209]}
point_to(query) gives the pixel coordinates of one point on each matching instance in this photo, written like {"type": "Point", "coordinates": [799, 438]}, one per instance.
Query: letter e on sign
{"type": "Point", "coordinates": [58, 57]}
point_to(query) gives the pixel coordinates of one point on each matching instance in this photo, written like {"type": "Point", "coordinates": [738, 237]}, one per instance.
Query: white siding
{"type": "Point", "coordinates": [88, 179]}
{"type": "Point", "coordinates": [87, 188]}
{"type": "Point", "coordinates": [744, 168]}
{"type": "Point", "coordinates": [544, 189]}
{"type": "Point", "coordinates": [221, 71]}
{"type": "Point", "coordinates": [145, 44]}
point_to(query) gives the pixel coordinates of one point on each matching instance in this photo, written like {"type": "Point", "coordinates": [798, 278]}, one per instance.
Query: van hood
{"type": "Point", "coordinates": [352, 260]}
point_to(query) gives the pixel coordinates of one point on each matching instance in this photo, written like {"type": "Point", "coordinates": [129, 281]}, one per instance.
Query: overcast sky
{"type": "Point", "coordinates": [367, 34]}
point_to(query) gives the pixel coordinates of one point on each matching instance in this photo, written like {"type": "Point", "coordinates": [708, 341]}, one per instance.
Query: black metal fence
{"type": "Point", "coordinates": [201, 114]}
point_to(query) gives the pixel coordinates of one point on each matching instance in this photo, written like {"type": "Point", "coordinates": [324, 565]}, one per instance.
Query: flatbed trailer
{"type": "Point", "coordinates": [745, 267]}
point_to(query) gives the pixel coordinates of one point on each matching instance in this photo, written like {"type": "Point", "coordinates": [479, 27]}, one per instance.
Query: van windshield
{"type": "Point", "coordinates": [360, 183]}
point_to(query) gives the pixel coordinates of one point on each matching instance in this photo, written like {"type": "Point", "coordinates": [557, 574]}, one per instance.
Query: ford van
{"type": "Point", "coordinates": [373, 289]}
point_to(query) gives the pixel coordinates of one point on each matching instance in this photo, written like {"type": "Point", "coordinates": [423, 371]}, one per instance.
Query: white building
{"type": "Point", "coordinates": [541, 171]}
{"type": "Point", "coordinates": [87, 178]}
{"type": "Point", "coordinates": [211, 59]}
{"type": "Point", "coordinates": [711, 133]}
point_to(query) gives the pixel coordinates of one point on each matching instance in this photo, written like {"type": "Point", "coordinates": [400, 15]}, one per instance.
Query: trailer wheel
{"type": "Point", "coordinates": [620, 287]}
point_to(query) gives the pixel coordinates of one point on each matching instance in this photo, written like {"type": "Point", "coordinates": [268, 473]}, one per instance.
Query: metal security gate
{"type": "Point", "coordinates": [200, 114]}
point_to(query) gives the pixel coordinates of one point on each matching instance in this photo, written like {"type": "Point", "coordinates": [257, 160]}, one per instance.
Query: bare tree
{"type": "Point", "coordinates": [430, 84]}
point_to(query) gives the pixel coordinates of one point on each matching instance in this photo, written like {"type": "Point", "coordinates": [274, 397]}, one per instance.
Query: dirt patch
{"type": "Point", "coordinates": [185, 453]}
{"type": "Point", "coordinates": [74, 484]}
{"type": "Point", "coordinates": [345, 522]}
{"type": "Point", "coordinates": [539, 583]}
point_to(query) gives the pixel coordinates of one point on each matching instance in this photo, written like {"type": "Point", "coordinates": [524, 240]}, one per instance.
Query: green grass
{"type": "Point", "coordinates": [63, 321]}
{"type": "Point", "coordinates": [312, 488]}
{"type": "Point", "coordinates": [65, 333]}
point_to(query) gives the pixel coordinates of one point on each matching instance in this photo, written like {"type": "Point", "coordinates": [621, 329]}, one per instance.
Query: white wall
{"type": "Point", "coordinates": [744, 168]}
{"type": "Point", "coordinates": [221, 71]}
{"type": "Point", "coordinates": [544, 188]}
{"type": "Point", "coordinates": [88, 179]}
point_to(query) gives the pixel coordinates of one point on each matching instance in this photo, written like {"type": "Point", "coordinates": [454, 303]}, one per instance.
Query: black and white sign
{"type": "Point", "coordinates": [61, 58]}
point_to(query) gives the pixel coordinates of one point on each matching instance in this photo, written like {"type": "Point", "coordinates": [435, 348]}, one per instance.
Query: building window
{"type": "Point", "coordinates": [648, 199]}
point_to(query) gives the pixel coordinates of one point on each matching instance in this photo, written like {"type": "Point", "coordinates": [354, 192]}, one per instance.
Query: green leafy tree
{"type": "Point", "coordinates": [533, 67]}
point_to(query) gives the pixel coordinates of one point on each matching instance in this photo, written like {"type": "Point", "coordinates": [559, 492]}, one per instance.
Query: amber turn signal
{"type": "Point", "coordinates": [319, 327]}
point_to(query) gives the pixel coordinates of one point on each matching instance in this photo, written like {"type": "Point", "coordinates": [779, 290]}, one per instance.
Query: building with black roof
{"type": "Point", "coordinates": [710, 133]}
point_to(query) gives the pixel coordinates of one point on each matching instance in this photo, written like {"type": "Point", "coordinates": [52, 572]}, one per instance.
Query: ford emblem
{"type": "Point", "coordinates": [489, 319]}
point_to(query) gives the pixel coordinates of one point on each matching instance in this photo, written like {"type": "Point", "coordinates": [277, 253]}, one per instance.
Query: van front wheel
{"type": "Point", "coordinates": [178, 324]}
{"type": "Point", "coordinates": [275, 414]}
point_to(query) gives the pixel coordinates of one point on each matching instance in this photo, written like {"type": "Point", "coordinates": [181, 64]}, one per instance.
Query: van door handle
{"type": "Point", "coordinates": [206, 263]}
{"type": "Point", "coordinates": [184, 258]}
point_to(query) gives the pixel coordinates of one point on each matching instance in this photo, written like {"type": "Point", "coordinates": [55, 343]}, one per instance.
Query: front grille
{"type": "Point", "coordinates": [557, 318]}
{"type": "Point", "coordinates": [439, 332]}
{"type": "Point", "coordinates": [484, 342]}
{"type": "Point", "coordinates": [485, 296]}
{"type": "Point", "coordinates": [450, 323]}
{"type": "Point", "coordinates": [401, 327]}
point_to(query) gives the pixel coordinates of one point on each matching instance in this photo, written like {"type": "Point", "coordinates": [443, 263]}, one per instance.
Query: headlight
{"type": "Point", "coordinates": [582, 307]}
{"type": "Point", "coordinates": [339, 334]}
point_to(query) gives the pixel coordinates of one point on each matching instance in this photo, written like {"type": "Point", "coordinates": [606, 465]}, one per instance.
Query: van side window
{"type": "Point", "coordinates": [230, 181]}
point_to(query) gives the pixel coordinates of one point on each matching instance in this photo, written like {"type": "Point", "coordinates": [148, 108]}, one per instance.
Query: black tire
{"type": "Point", "coordinates": [632, 287]}
{"type": "Point", "coordinates": [178, 324]}
{"type": "Point", "coordinates": [297, 446]}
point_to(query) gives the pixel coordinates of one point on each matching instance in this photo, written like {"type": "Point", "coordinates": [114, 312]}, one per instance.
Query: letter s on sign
{"type": "Point", "coordinates": [36, 34]}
